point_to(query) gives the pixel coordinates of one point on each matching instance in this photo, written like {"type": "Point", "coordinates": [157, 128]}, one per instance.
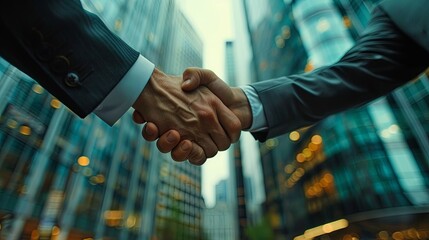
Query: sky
{"type": "Point", "coordinates": [212, 20]}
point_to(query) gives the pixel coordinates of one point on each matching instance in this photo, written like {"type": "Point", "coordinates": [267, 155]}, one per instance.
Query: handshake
{"type": "Point", "coordinates": [192, 119]}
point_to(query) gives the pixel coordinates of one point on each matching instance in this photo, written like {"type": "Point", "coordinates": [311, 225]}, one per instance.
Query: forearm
{"type": "Point", "coordinates": [125, 94]}
{"type": "Point", "coordinates": [69, 51]}
{"type": "Point", "coordinates": [382, 59]}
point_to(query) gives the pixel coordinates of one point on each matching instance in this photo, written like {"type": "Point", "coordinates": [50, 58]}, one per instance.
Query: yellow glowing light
{"type": "Point", "coordinates": [113, 214]}
{"type": "Point", "coordinates": [286, 32]}
{"type": "Point", "coordinates": [307, 153]}
{"type": "Point", "coordinates": [131, 221]}
{"type": "Point", "coordinates": [398, 236]}
{"type": "Point", "coordinates": [289, 168]}
{"type": "Point", "coordinates": [12, 123]}
{"type": "Point", "coordinates": [385, 133]}
{"type": "Point", "coordinates": [300, 172]}
{"type": "Point", "coordinates": [327, 228]}
{"type": "Point", "coordinates": [316, 139]}
{"type": "Point", "coordinates": [313, 147]}
{"type": "Point", "coordinates": [294, 136]}
{"type": "Point", "coordinates": [37, 89]}
{"type": "Point", "coordinates": [25, 130]}
{"type": "Point", "coordinates": [35, 234]}
{"type": "Point", "coordinates": [100, 178]}
{"type": "Point", "coordinates": [328, 178]}
{"type": "Point", "coordinates": [56, 231]}
{"type": "Point", "coordinates": [394, 129]}
{"type": "Point", "coordinates": [300, 158]}
{"type": "Point", "coordinates": [83, 161]}
{"type": "Point", "coordinates": [383, 235]}
{"type": "Point", "coordinates": [323, 25]}
{"type": "Point", "coordinates": [323, 229]}
{"type": "Point", "coordinates": [347, 22]}
{"type": "Point", "coordinates": [271, 143]}
{"type": "Point", "coordinates": [55, 103]}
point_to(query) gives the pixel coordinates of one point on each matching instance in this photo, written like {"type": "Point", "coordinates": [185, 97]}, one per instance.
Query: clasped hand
{"type": "Point", "coordinates": [192, 122]}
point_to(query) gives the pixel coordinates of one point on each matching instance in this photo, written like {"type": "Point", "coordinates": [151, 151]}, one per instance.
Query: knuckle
{"type": "Point", "coordinates": [161, 147]}
{"type": "Point", "coordinates": [178, 156]}
{"type": "Point", "coordinates": [197, 158]}
{"type": "Point", "coordinates": [148, 137]}
{"type": "Point", "coordinates": [211, 153]}
{"type": "Point", "coordinates": [224, 145]}
{"type": "Point", "coordinates": [206, 115]}
{"type": "Point", "coordinates": [236, 126]}
{"type": "Point", "coordinates": [235, 137]}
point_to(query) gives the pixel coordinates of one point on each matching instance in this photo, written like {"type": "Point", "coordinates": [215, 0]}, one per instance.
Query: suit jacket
{"type": "Point", "coordinates": [68, 50]}
{"type": "Point", "coordinates": [392, 51]}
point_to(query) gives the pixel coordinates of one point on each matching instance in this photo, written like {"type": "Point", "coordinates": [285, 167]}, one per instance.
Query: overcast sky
{"type": "Point", "coordinates": [212, 19]}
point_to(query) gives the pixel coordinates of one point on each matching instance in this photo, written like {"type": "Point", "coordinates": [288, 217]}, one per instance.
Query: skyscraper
{"type": "Point", "coordinates": [277, 51]}
{"type": "Point", "coordinates": [365, 167]}
{"type": "Point", "coordinates": [62, 177]}
{"type": "Point", "coordinates": [220, 220]}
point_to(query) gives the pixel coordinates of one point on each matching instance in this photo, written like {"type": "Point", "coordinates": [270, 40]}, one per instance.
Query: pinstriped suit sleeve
{"type": "Point", "coordinates": [68, 50]}
{"type": "Point", "coordinates": [383, 59]}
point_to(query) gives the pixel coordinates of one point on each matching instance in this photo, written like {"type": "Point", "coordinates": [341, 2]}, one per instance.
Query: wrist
{"type": "Point", "coordinates": [148, 89]}
{"type": "Point", "coordinates": [241, 108]}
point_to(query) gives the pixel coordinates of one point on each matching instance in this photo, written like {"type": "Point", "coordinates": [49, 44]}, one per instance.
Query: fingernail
{"type": "Point", "coordinates": [185, 146]}
{"type": "Point", "coordinates": [148, 131]}
{"type": "Point", "coordinates": [187, 82]}
{"type": "Point", "coordinates": [170, 137]}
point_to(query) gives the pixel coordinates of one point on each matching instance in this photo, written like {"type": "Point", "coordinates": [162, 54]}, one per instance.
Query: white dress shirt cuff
{"type": "Point", "coordinates": [259, 121]}
{"type": "Point", "coordinates": [126, 92]}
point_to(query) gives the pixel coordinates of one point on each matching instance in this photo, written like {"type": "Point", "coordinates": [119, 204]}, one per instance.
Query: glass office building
{"type": "Point", "coordinates": [277, 51]}
{"type": "Point", "coordinates": [362, 174]}
{"type": "Point", "coordinates": [62, 177]}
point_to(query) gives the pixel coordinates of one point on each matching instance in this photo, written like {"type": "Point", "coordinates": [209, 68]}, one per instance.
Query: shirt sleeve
{"type": "Point", "coordinates": [259, 121]}
{"type": "Point", "coordinates": [122, 97]}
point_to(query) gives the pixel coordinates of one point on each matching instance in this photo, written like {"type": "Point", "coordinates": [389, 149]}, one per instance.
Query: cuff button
{"type": "Point", "coordinates": [72, 79]}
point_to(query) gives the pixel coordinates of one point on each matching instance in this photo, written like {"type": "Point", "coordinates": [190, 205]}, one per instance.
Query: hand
{"type": "Point", "coordinates": [234, 98]}
{"type": "Point", "coordinates": [198, 116]}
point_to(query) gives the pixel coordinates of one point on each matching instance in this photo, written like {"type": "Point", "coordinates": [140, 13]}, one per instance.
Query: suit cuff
{"type": "Point", "coordinates": [126, 92]}
{"type": "Point", "coordinates": [259, 121]}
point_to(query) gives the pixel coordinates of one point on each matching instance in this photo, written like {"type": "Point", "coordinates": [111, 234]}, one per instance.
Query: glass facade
{"type": "Point", "coordinates": [361, 174]}
{"type": "Point", "coordinates": [62, 177]}
{"type": "Point", "coordinates": [277, 51]}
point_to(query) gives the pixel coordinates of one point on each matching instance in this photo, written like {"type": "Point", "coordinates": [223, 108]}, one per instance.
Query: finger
{"type": "Point", "coordinates": [138, 118]}
{"type": "Point", "coordinates": [182, 151]}
{"type": "Point", "coordinates": [229, 122]}
{"type": "Point", "coordinates": [219, 137]}
{"type": "Point", "coordinates": [195, 77]}
{"type": "Point", "coordinates": [197, 156]}
{"type": "Point", "coordinates": [209, 147]}
{"type": "Point", "coordinates": [168, 141]}
{"type": "Point", "coordinates": [150, 132]}
{"type": "Point", "coordinates": [214, 129]}
{"type": "Point", "coordinates": [209, 126]}
{"type": "Point", "coordinates": [221, 140]}
{"type": "Point", "coordinates": [192, 79]}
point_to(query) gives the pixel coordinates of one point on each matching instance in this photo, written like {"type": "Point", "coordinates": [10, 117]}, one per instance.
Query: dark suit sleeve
{"type": "Point", "coordinates": [381, 60]}
{"type": "Point", "coordinates": [68, 50]}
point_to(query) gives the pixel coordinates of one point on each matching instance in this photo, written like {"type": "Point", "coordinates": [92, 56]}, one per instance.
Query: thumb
{"type": "Point", "coordinates": [138, 118]}
{"type": "Point", "coordinates": [192, 79]}
{"type": "Point", "coordinates": [195, 77]}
